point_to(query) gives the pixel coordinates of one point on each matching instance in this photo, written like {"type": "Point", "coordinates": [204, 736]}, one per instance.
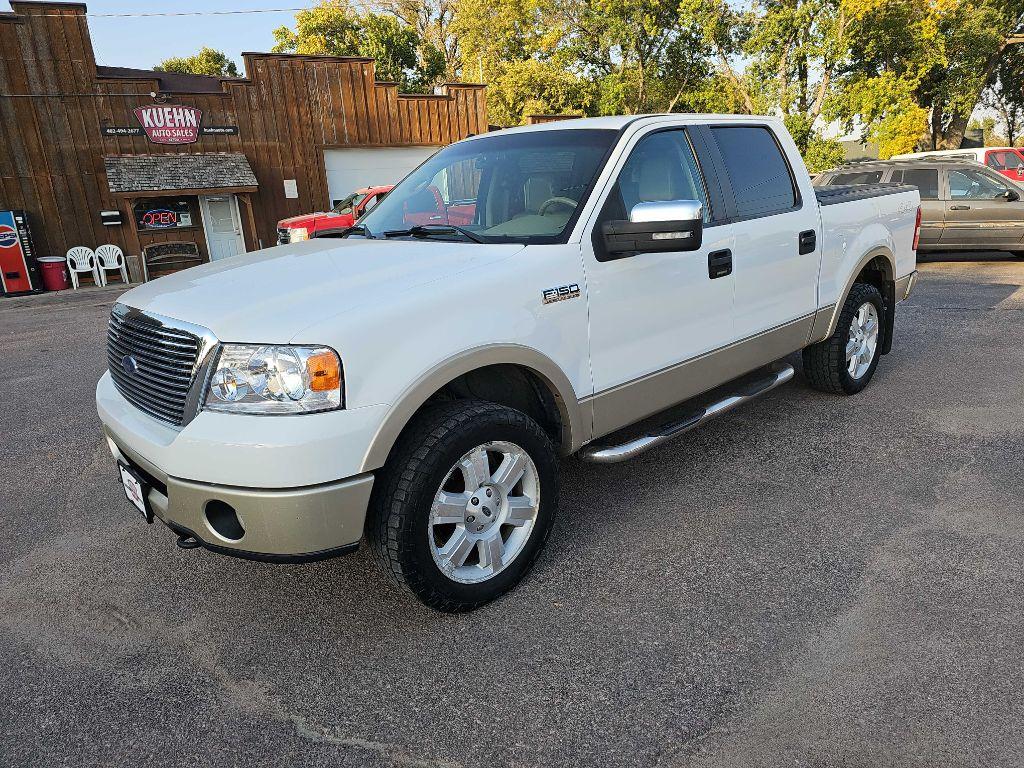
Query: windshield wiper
{"type": "Point", "coordinates": [426, 230]}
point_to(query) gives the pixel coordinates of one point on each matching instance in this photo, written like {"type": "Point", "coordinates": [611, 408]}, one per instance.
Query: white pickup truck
{"type": "Point", "coordinates": [523, 294]}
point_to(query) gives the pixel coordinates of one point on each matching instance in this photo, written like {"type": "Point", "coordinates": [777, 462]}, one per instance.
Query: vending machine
{"type": "Point", "coordinates": [18, 270]}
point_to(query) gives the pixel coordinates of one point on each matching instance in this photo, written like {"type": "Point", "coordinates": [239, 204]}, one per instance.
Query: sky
{"type": "Point", "coordinates": [144, 42]}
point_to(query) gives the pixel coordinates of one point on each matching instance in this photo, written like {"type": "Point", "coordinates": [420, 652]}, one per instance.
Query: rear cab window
{"type": "Point", "coordinates": [856, 177]}
{"type": "Point", "coordinates": [759, 175]}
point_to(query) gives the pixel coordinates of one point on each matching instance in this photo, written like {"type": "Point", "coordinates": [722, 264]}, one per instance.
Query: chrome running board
{"type": "Point", "coordinates": [612, 454]}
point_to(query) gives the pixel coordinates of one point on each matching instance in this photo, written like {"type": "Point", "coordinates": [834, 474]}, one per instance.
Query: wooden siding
{"type": "Point", "coordinates": [288, 110]}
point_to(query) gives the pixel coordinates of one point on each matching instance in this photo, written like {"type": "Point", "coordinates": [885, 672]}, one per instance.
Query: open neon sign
{"type": "Point", "coordinates": [159, 218]}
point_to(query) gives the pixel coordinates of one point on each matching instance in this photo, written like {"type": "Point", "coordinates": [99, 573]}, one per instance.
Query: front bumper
{"type": "Point", "coordinates": [283, 525]}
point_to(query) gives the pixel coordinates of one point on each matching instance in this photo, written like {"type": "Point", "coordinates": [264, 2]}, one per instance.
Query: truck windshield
{"type": "Point", "coordinates": [515, 187]}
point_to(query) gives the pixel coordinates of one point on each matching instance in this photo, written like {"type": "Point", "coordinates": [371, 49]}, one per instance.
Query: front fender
{"type": "Point", "coordinates": [574, 427]}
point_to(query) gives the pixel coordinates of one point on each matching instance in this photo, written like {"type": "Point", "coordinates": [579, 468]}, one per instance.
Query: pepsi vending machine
{"type": "Point", "coordinates": [18, 271]}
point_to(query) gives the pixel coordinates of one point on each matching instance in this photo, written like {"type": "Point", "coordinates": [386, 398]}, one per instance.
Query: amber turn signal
{"type": "Point", "coordinates": [324, 372]}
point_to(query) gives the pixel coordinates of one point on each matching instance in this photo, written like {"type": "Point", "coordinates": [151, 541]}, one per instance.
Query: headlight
{"type": "Point", "coordinates": [253, 378]}
{"type": "Point", "coordinates": [299, 234]}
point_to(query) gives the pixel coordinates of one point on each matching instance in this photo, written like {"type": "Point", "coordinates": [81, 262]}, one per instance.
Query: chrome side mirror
{"type": "Point", "coordinates": [667, 210]}
{"type": "Point", "coordinates": [656, 227]}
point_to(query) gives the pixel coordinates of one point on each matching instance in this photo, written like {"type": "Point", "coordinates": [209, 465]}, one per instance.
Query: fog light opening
{"type": "Point", "coordinates": [224, 520]}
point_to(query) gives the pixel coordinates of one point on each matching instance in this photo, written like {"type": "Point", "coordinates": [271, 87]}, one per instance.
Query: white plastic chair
{"type": "Point", "coordinates": [82, 259]}
{"type": "Point", "coordinates": [111, 258]}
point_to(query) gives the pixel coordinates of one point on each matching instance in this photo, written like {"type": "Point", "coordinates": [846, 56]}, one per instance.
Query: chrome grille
{"type": "Point", "coordinates": [152, 364]}
{"type": "Point", "coordinates": [284, 236]}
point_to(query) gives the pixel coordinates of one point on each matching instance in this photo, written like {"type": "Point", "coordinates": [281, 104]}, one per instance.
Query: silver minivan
{"type": "Point", "coordinates": [964, 205]}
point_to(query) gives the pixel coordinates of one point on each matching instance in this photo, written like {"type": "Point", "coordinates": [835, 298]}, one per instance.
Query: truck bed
{"type": "Point", "coordinates": [846, 193]}
{"type": "Point", "coordinates": [861, 219]}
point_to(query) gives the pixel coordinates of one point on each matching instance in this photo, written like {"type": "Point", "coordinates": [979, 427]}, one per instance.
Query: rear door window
{"type": "Point", "coordinates": [925, 179]}
{"type": "Point", "coordinates": [759, 175]}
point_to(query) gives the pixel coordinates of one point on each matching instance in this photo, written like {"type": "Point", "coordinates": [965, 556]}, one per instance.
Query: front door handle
{"type": "Point", "coordinates": [719, 264]}
{"type": "Point", "coordinates": [959, 207]}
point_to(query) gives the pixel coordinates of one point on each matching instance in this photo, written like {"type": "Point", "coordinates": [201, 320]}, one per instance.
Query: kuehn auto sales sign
{"type": "Point", "coordinates": [170, 123]}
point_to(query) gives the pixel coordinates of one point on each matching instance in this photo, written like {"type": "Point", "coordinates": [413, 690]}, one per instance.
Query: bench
{"type": "Point", "coordinates": [164, 258]}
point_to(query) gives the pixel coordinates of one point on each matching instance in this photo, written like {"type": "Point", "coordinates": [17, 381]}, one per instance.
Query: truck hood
{"type": "Point", "coordinates": [309, 219]}
{"type": "Point", "coordinates": [269, 296]}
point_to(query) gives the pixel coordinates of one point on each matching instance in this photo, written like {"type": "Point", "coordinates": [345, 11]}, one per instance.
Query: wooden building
{"type": "Point", "coordinates": [134, 157]}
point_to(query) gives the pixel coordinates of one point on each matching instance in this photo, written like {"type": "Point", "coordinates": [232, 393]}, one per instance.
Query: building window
{"type": "Point", "coordinates": [162, 213]}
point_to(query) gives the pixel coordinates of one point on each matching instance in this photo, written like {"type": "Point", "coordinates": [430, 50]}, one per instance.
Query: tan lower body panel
{"type": "Point", "coordinates": [277, 522]}
{"type": "Point", "coordinates": [297, 521]}
{"type": "Point", "coordinates": [822, 325]}
{"type": "Point", "coordinates": [628, 403]}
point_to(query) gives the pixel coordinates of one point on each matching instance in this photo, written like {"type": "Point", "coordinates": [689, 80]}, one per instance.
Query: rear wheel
{"type": "Point", "coordinates": [464, 505]}
{"type": "Point", "coordinates": [845, 362]}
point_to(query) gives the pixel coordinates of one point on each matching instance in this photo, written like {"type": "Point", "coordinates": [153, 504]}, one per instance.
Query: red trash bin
{"type": "Point", "coordinates": [55, 273]}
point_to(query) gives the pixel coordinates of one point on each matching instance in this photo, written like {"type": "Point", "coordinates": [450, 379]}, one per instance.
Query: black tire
{"type": "Point", "coordinates": [825, 362]}
{"type": "Point", "coordinates": [404, 493]}
{"type": "Point", "coordinates": [1017, 254]}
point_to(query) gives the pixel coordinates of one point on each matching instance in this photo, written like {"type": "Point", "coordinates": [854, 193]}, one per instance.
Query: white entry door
{"type": "Point", "coordinates": [223, 226]}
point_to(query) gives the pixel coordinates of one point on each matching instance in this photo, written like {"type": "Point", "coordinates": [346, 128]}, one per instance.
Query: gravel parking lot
{"type": "Point", "coordinates": [808, 581]}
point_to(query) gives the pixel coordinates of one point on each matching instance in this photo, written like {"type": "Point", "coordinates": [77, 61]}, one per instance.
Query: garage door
{"type": "Point", "coordinates": [351, 169]}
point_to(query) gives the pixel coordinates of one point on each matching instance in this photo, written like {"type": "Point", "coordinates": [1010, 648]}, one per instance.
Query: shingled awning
{"type": "Point", "coordinates": [209, 172]}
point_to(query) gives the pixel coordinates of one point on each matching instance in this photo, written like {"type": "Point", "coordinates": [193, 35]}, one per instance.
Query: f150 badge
{"type": "Point", "coordinates": [561, 293]}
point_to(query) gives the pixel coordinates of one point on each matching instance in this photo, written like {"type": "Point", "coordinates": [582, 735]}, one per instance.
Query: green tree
{"type": "Point", "coordinates": [917, 68]}
{"type": "Point", "coordinates": [531, 86]}
{"type": "Point", "coordinates": [208, 61]}
{"type": "Point", "coordinates": [335, 28]}
{"type": "Point", "coordinates": [604, 56]}
{"type": "Point", "coordinates": [822, 154]}
{"type": "Point", "coordinates": [330, 28]}
{"type": "Point", "coordinates": [433, 22]}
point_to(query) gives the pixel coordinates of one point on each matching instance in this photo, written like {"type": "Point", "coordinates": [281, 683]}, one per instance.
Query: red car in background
{"type": "Point", "coordinates": [344, 214]}
{"type": "Point", "coordinates": [1009, 161]}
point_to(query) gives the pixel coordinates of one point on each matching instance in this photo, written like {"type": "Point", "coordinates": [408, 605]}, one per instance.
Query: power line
{"type": "Point", "coordinates": [165, 14]}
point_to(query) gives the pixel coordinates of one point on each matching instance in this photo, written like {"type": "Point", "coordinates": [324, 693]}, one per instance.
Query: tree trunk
{"type": "Point", "coordinates": [748, 103]}
{"type": "Point", "coordinates": [952, 135]}
{"type": "Point", "coordinates": [936, 124]}
{"type": "Point", "coordinates": [802, 69]}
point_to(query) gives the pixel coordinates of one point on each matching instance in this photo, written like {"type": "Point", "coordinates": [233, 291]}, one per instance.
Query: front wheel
{"type": "Point", "coordinates": [464, 505]}
{"type": "Point", "coordinates": [845, 362]}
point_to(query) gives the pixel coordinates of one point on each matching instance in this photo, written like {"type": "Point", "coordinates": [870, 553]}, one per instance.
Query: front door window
{"type": "Point", "coordinates": [973, 185]}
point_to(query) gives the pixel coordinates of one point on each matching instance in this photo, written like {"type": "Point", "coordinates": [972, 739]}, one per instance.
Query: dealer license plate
{"type": "Point", "coordinates": [135, 490]}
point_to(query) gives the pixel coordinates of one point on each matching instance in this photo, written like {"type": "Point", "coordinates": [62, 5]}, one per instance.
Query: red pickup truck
{"type": "Point", "coordinates": [344, 214]}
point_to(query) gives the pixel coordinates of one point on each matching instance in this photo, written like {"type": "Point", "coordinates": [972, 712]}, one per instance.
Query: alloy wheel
{"type": "Point", "coordinates": [863, 340]}
{"type": "Point", "coordinates": [484, 512]}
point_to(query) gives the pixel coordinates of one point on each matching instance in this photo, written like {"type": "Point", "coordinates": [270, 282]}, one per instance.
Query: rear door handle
{"type": "Point", "coordinates": [808, 241]}
{"type": "Point", "coordinates": [719, 263]}
{"type": "Point", "coordinates": [959, 207]}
